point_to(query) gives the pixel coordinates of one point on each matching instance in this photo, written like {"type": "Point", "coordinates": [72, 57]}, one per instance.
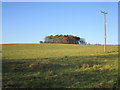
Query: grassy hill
{"type": "Point", "coordinates": [59, 66]}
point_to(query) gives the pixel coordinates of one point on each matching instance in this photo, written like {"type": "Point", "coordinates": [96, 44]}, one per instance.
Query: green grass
{"type": "Point", "coordinates": [59, 66]}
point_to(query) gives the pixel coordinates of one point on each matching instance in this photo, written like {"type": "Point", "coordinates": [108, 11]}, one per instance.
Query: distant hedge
{"type": "Point", "coordinates": [66, 39]}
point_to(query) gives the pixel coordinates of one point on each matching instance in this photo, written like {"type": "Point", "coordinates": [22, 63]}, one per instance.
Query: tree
{"type": "Point", "coordinates": [41, 41]}
{"type": "Point", "coordinates": [66, 39]}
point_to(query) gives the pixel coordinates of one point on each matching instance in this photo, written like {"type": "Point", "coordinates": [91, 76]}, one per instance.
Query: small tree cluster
{"type": "Point", "coordinates": [66, 39]}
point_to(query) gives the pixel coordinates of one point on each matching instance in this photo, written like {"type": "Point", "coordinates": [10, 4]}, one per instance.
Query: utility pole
{"type": "Point", "coordinates": [104, 29]}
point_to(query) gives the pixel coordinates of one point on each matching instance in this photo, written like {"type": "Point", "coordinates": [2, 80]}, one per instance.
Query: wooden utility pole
{"type": "Point", "coordinates": [104, 30]}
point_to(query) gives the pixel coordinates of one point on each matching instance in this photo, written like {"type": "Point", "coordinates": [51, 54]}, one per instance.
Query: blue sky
{"type": "Point", "coordinates": [30, 22]}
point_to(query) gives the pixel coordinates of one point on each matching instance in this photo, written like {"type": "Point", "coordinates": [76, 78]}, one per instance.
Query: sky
{"type": "Point", "coordinates": [30, 22]}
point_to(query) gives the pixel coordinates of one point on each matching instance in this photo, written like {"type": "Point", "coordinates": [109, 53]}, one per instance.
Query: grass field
{"type": "Point", "coordinates": [59, 66]}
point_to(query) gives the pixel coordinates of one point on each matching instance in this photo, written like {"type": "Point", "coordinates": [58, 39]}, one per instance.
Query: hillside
{"type": "Point", "coordinates": [59, 66]}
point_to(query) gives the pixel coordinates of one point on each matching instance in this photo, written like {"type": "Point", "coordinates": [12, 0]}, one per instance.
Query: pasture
{"type": "Point", "coordinates": [59, 66]}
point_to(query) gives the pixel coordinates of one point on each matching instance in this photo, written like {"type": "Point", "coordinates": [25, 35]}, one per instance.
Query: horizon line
{"type": "Point", "coordinates": [54, 43]}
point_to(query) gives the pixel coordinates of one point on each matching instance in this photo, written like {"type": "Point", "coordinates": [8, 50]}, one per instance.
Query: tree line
{"type": "Point", "coordinates": [65, 39]}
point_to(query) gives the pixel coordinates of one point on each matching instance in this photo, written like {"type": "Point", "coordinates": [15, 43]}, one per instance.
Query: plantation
{"type": "Point", "coordinates": [59, 66]}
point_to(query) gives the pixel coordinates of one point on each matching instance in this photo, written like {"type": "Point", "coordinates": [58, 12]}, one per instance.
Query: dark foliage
{"type": "Point", "coordinates": [66, 39]}
{"type": "Point", "coordinates": [41, 41]}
